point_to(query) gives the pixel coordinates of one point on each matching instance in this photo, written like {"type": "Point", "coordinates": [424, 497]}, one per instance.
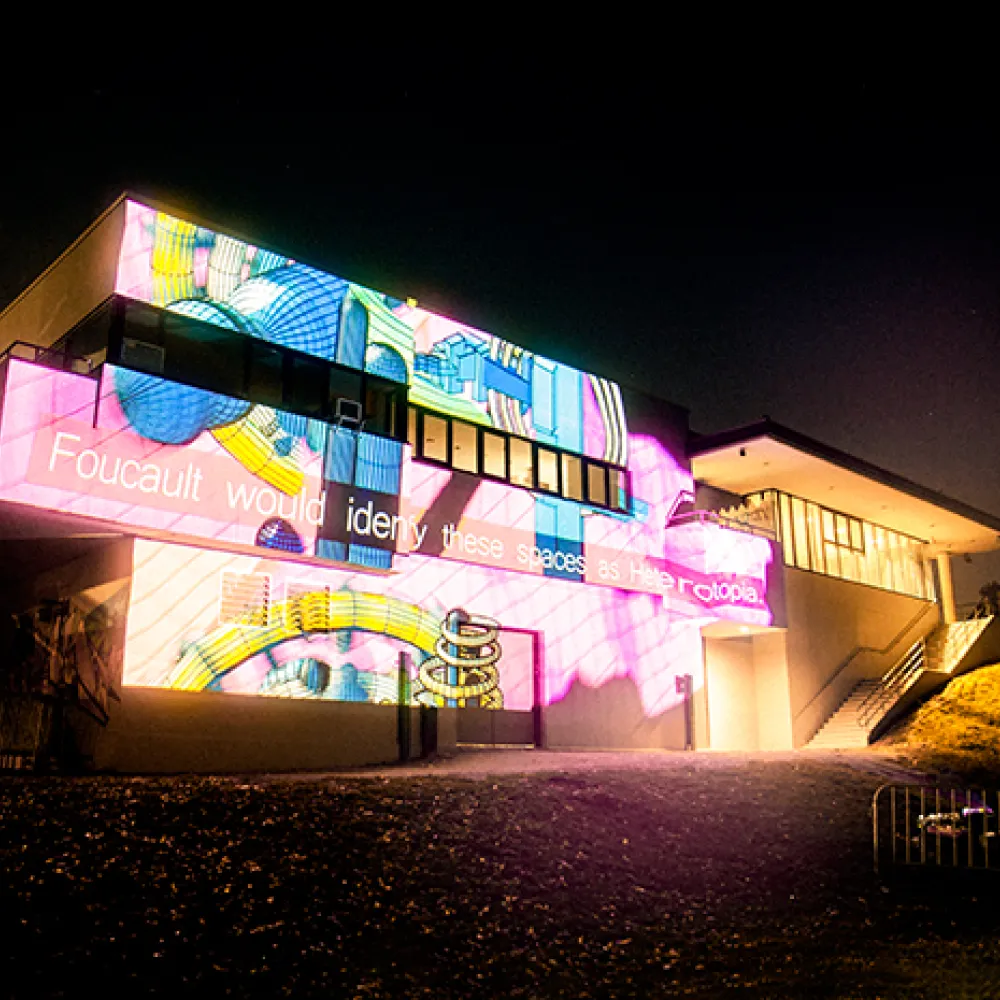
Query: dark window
{"type": "Point", "coordinates": [202, 354]}
{"type": "Point", "coordinates": [266, 376]}
{"type": "Point", "coordinates": [305, 391]}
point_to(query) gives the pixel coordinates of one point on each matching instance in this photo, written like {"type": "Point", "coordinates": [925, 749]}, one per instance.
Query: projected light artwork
{"type": "Point", "coordinates": [342, 551]}
{"type": "Point", "coordinates": [449, 367]}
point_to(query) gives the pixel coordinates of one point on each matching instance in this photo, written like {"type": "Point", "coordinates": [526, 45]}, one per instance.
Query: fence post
{"type": "Point", "coordinates": [428, 730]}
{"type": "Point", "coordinates": [403, 707]}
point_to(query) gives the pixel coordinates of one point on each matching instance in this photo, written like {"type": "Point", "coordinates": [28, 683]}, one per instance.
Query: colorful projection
{"type": "Point", "coordinates": [274, 627]}
{"type": "Point", "coordinates": [449, 367]}
{"type": "Point", "coordinates": [140, 450]}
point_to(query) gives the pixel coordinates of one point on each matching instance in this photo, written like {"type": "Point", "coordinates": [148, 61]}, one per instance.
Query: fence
{"type": "Point", "coordinates": [929, 825]}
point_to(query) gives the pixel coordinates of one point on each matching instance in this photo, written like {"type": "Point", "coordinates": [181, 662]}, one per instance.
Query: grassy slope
{"type": "Point", "coordinates": [957, 730]}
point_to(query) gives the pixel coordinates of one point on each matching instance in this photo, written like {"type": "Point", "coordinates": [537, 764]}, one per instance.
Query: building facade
{"type": "Point", "coordinates": [273, 506]}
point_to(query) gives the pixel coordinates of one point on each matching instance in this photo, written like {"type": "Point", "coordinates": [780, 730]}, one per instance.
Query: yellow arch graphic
{"type": "Point", "coordinates": [226, 647]}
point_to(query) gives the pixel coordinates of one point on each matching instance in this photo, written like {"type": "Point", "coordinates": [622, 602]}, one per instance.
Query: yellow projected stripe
{"type": "Point", "coordinates": [251, 442]}
{"type": "Point", "coordinates": [225, 648]}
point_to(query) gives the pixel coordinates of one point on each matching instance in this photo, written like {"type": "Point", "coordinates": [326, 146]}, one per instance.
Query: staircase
{"type": "Point", "coordinates": [844, 729]}
{"type": "Point", "coordinates": [870, 701]}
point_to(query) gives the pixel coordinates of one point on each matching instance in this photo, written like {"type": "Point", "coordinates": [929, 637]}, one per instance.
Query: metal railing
{"type": "Point", "coordinates": [929, 825]}
{"type": "Point", "coordinates": [714, 517]}
{"type": "Point", "coordinates": [858, 650]}
{"type": "Point", "coordinates": [49, 357]}
{"type": "Point", "coordinates": [893, 685]}
{"type": "Point", "coordinates": [904, 674]}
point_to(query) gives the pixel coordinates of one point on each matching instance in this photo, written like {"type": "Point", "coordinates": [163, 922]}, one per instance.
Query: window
{"type": "Point", "coordinates": [787, 541]}
{"type": "Point", "coordinates": [265, 383]}
{"type": "Point", "coordinates": [186, 344]}
{"type": "Point", "coordinates": [435, 439]}
{"type": "Point", "coordinates": [494, 455]}
{"type": "Point", "coordinates": [597, 483]}
{"type": "Point", "coordinates": [383, 403]}
{"type": "Point", "coordinates": [464, 450]}
{"type": "Point", "coordinates": [202, 354]}
{"type": "Point", "coordinates": [548, 471]}
{"type": "Point", "coordinates": [411, 427]}
{"type": "Point", "coordinates": [826, 541]}
{"type": "Point", "coordinates": [344, 385]}
{"type": "Point", "coordinates": [522, 468]}
{"type": "Point", "coordinates": [306, 389]}
{"type": "Point", "coordinates": [572, 477]}
{"type": "Point", "coordinates": [619, 489]}
{"type": "Point", "coordinates": [469, 447]}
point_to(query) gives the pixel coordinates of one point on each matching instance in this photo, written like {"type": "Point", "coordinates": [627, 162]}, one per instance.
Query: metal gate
{"type": "Point", "coordinates": [930, 825]}
{"type": "Point", "coordinates": [518, 726]}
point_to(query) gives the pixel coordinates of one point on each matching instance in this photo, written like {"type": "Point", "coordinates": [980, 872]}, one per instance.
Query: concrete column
{"type": "Point", "coordinates": [947, 590]}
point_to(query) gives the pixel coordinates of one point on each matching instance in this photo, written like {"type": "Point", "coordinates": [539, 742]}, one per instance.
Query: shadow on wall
{"type": "Point", "coordinates": [611, 716]}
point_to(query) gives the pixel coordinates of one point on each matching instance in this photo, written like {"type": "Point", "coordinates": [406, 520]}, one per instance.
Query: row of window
{"type": "Point", "coordinates": [829, 542]}
{"type": "Point", "coordinates": [482, 451]}
{"type": "Point", "coordinates": [183, 349]}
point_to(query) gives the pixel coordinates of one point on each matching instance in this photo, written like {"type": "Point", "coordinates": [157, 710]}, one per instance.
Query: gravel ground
{"type": "Point", "coordinates": [521, 875]}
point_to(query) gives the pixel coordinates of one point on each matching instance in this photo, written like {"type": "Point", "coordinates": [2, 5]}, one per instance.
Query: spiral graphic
{"type": "Point", "coordinates": [463, 668]}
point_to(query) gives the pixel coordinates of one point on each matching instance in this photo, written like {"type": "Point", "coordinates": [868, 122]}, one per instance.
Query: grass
{"type": "Point", "coordinates": [957, 732]}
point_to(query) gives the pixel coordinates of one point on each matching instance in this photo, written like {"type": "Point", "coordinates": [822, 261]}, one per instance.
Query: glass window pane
{"type": "Point", "coordinates": [411, 427]}
{"type": "Point", "coordinates": [306, 392]}
{"type": "Point", "coordinates": [464, 450]}
{"type": "Point", "coordinates": [572, 477]}
{"type": "Point", "coordinates": [871, 572]}
{"type": "Point", "coordinates": [344, 398]}
{"type": "Point", "coordinates": [884, 558]}
{"type": "Point", "coordinates": [816, 551]}
{"type": "Point", "coordinates": [857, 542]}
{"type": "Point", "coordinates": [548, 470]}
{"type": "Point", "coordinates": [521, 465]}
{"type": "Point", "coordinates": [787, 541]}
{"type": "Point", "coordinates": [830, 557]}
{"type": "Point", "coordinates": [203, 355]}
{"type": "Point", "coordinates": [843, 532]}
{"type": "Point", "coordinates": [801, 534]}
{"type": "Point", "coordinates": [494, 454]}
{"type": "Point", "coordinates": [848, 563]}
{"type": "Point", "coordinates": [617, 486]}
{"type": "Point", "coordinates": [435, 440]}
{"type": "Point", "coordinates": [828, 535]}
{"type": "Point", "coordinates": [265, 382]}
{"type": "Point", "coordinates": [597, 484]}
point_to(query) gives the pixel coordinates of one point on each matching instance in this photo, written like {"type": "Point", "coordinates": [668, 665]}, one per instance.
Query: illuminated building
{"type": "Point", "coordinates": [259, 484]}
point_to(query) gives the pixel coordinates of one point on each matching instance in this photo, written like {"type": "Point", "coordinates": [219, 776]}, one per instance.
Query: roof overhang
{"type": "Point", "coordinates": [766, 455]}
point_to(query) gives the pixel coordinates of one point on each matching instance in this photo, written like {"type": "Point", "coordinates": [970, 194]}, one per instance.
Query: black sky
{"type": "Point", "coordinates": [822, 247]}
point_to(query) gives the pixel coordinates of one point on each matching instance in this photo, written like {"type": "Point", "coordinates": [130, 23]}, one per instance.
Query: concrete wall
{"type": "Point", "coordinates": [79, 281]}
{"type": "Point", "coordinates": [827, 620]}
{"type": "Point", "coordinates": [610, 716]}
{"type": "Point", "coordinates": [160, 731]}
{"type": "Point", "coordinates": [774, 713]}
{"type": "Point", "coordinates": [746, 680]}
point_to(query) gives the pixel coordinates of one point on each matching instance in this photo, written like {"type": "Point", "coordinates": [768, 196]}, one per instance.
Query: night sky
{"type": "Point", "coordinates": [823, 249]}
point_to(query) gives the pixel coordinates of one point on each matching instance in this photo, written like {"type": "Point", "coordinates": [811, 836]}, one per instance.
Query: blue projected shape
{"type": "Point", "coordinates": [379, 462]}
{"type": "Point", "coordinates": [385, 361]}
{"type": "Point", "coordinates": [169, 412]}
{"type": "Point", "coordinates": [277, 533]}
{"type": "Point", "coordinates": [295, 306]}
{"type": "Point", "coordinates": [215, 313]}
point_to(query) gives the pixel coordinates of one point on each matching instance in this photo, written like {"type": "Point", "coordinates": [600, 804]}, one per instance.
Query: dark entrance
{"type": "Point", "coordinates": [518, 725]}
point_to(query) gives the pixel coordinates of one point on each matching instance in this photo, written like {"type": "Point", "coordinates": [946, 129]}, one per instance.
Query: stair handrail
{"type": "Point", "coordinates": [858, 650]}
{"type": "Point", "coordinates": [893, 684]}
